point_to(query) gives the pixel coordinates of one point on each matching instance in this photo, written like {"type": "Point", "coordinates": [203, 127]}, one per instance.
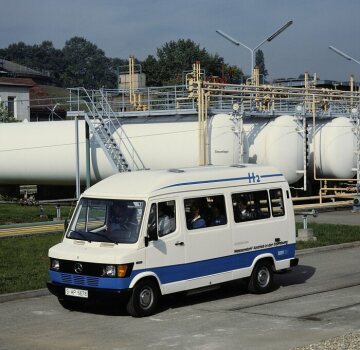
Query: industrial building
{"type": "Point", "coordinates": [311, 134]}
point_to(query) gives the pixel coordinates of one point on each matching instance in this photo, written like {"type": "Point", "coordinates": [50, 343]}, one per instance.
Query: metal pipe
{"type": "Point", "coordinates": [77, 157]}
{"type": "Point", "coordinates": [87, 145]}
{"type": "Point", "coordinates": [329, 196]}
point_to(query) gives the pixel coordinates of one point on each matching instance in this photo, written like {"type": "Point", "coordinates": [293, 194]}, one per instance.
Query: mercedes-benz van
{"type": "Point", "coordinates": [137, 236]}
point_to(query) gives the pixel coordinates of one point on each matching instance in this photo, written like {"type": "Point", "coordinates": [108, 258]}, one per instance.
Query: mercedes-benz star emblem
{"type": "Point", "coordinates": [78, 268]}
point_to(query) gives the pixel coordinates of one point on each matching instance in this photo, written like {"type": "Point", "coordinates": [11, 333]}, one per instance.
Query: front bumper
{"type": "Point", "coordinates": [94, 294]}
{"type": "Point", "coordinates": [294, 262]}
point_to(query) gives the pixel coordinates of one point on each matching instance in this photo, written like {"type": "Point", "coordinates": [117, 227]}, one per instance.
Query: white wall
{"type": "Point", "coordinates": [21, 103]}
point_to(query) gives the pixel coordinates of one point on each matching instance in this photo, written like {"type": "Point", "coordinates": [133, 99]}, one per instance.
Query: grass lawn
{"type": "Point", "coordinates": [327, 234]}
{"type": "Point", "coordinates": [16, 213]}
{"type": "Point", "coordinates": [24, 262]}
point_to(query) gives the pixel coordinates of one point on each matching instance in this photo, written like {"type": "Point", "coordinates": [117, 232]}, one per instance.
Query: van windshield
{"type": "Point", "coordinates": [105, 220]}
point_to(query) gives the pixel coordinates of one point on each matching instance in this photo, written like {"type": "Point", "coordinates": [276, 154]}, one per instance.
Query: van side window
{"type": "Point", "coordinates": [162, 218]}
{"type": "Point", "coordinates": [250, 206]}
{"type": "Point", "coordinates": [166, 218]}
{"type": "Point", "coordinates": [277, 202]}
{"type": "Point", "coordinates": [205, 212]}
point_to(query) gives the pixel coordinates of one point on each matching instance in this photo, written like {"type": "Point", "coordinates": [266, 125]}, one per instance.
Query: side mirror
{"type": "Point", "coordinates": [66, 224]}
{"type": "Point", "coordinates": [152, 234]}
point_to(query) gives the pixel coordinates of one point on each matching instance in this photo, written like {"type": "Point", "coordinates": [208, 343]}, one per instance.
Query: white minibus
{"type": "Point", "coordinates": [139, 235]}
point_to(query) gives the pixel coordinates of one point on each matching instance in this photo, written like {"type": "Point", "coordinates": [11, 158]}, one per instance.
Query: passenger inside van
{"type": "Point", "coordinates": [196, 221]}
{"type": "Point", "coordinates": [217, 218]}
{"type": "Point", "coordinates": [242, 211]}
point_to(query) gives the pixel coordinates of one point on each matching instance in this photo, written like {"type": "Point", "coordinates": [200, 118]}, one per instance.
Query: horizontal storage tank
{"type": "Point", "coordinates": [44, 152]}
{"type": "Point", "coordinates": [277, 142]}
{"type": "Point", "coordinates": [335, 147]}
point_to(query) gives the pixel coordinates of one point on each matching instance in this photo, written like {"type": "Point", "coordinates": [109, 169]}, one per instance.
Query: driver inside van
{"type": "Point", "coordinates": [122, 219]}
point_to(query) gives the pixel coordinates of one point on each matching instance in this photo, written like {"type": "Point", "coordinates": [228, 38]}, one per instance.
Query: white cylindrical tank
{"type": "Point", "coordinates": [175, 144]}
{"type": "Point", "coordinates": [335, 147]}
{"type": "Point", "coordinates": [44, 153]}
{"type": "Point", "coordinates": [277, 142]}
{"type": "Point", "coordinates": [228, 143]}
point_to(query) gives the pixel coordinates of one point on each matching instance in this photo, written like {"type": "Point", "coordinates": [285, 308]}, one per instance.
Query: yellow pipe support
{"type": "Point", "coordinates": [130, 79]}
{"type": "Point", "coordinates": [351, 90]}
{"type": "Point", "coordinates": [329, 196]}
{"type": "Point", "coordinates": [290, 93]}
{"type": "Point", "coordinates": [323, 205]}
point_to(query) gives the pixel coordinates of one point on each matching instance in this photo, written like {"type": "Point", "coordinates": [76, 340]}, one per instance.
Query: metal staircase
{"type": "Point", "coordinates": [108, 130]}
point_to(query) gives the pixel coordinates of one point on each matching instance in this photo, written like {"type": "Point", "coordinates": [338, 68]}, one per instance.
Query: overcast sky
{"type": "Point", "coordinates": [139, 27]}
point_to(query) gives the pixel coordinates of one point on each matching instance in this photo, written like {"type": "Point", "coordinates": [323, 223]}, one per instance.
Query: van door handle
{"type": "Point", "coordinates": [179, 243]}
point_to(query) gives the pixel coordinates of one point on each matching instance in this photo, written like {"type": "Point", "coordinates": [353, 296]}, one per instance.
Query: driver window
{"type": "Point", "coordinates": [166, 218]}
{"type": "Point", "coordinates": [152, 223]}
{"type": "Point", "coordinates": [162, 218]}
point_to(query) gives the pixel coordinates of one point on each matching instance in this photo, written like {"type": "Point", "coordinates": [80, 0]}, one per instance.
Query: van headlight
{"type": "Point", "coordinates": [109, 271]}
{"type": "Point", "coordinates": [54, 264]}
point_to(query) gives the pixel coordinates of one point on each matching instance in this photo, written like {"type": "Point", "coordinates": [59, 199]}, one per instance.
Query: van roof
{"type": "Point", "coordinates": [146, 183]}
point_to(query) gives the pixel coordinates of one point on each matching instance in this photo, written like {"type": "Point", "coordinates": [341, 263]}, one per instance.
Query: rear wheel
{"type": "Point", "coordinates": [262, 278]}
{"type": "Point", "coordinates": [144, 298]}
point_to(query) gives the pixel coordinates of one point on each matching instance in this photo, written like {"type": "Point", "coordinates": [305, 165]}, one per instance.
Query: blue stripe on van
{"type": "Point", "coordinates": [271, 175]}
{"type": "Point", "coordinates": [249, 178]}
{"type": "Point", "coordinates": [176, 273]}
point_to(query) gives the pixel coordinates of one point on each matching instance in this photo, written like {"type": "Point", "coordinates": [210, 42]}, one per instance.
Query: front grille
{"type": "Point", "coordinates": [79, 280]}
{"type": "Point", "coordinates": [88, 269]}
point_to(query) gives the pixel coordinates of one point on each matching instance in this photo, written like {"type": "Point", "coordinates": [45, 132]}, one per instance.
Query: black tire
{"type": "Point", "coordinates": [262, 278]}
{"type": "Point", "coordinates": [144, 299]}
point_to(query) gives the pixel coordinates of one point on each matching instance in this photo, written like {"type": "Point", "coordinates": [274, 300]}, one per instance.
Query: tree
{"type": "Point", "coordinates": [151, 69]}
{"type": "Point", "coordinates": [176, 57]}
{"type": "Point", "coordinates": [86, 65]}
{"type": "Point", "coordinates": [233, 74]}
{"type": "Point", "coordinates": [5, 115]}
{"type": "Point", "coordinates": [19, 53]}
{"type": "Point", "coordinates": [43, 57]}
{"type": "Point", "coordinates": [47, 58]}
{"type": "Point", "coordinates": [260, 62]}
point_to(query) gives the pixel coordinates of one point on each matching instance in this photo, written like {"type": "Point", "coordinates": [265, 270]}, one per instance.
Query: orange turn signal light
{"type": "Point", "coordinates": [121, 270]}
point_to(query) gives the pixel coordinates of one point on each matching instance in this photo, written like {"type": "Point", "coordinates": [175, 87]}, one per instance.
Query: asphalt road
{"type": "Point", "coordinates": [319, 299]}
{"type": "Point", "coordinates": [341, 217]}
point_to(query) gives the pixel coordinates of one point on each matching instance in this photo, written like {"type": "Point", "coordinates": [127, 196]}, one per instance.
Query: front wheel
{"type": "Point", "coordinates": [262, 278]}
{"type": "Point", "coordinates": [144, 299]}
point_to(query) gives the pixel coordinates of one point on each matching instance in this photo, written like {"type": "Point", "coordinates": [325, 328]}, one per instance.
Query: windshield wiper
{"type": "Point", "coordinates": [81, 234]}
{"type": "Point", "coordinates": [103, 236]}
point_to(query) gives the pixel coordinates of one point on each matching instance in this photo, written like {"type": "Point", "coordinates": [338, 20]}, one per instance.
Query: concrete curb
{"type": "Point", "coordinates": [327, 248]}
{"type": "Point", "coordinates": [24, 295]}
{"type": "Point", "coordinates": [43, 292]}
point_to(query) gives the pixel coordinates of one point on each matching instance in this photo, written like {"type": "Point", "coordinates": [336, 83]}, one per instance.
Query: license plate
{"type": "Point", "coordinates": [79, 293]}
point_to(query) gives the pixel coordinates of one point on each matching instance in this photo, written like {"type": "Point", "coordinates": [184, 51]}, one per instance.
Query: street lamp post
{"type": "Point", "coordinates": [252, 51]}
{"type": "Point", "coordinates": [349, 58]}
